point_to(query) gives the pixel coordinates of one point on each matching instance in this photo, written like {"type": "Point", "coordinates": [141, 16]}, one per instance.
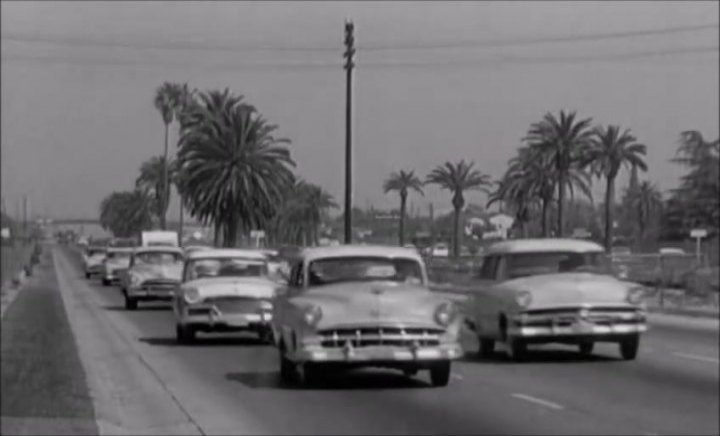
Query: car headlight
{"type": "Point", "coordinates": [135, 280]}
{"type": "Point", "coordinates": [312, 315]}
{"type": "Point", "coordinates": [191, 295]}
{"type": "Point", "coordinates": [635, 295]}
{"type": "Point", "coordinates": [523, 299]}
{"type": "Point", "coordinates": [266, 305]}
{"type": "Point", "coordinates": [445, 314]}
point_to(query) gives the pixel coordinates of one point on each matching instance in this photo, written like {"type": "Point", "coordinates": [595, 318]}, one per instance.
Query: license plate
{"type": "Point", "coordinates": [427, 354]}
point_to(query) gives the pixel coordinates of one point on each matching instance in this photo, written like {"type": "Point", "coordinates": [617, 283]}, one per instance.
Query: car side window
{"type": "Point", "coordinates": [489, 266]}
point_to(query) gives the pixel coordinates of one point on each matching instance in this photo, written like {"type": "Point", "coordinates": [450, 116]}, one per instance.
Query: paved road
{"type": "Point", "coordinates": [229, 383]}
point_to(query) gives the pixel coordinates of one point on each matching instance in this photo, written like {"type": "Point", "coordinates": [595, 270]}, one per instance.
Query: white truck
{"type": "Point", "coordinates": [159, 238]}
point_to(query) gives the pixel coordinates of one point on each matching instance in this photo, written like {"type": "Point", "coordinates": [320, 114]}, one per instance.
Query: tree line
{"type": "Point", "coordinates": [234, 172]}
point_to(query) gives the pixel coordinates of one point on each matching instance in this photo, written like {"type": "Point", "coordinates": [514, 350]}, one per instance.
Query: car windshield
{"type": "Point", "coordinates": [157, 258]}
{"type": "Point", "coordinates": [226, 267]}
{"type": "Point", "coordinates": [353, 269]}
{"type": "Point", "coordinates": [528, 264]}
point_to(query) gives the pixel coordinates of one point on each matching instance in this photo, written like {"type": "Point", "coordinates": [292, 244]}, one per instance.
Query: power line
{"type": "Point", "coordinates": [497, 60]}
{"type": "Point", "coordinates": [195, 45]}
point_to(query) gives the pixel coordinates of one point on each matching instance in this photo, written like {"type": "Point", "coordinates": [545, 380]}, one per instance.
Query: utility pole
{"type": "Point", "coordinates": [24, 227]}
{"type": "Point", "coordinates": [349, 56]}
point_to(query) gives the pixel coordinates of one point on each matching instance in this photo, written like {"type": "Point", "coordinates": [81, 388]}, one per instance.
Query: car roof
{"type": "Point", "coordinates": [544, 245]}
{"type": "Point", "coordinates": [359, 250]}
{"type": "Point", "coordinates": [158, 249]}
{"type": "Point", "coordinates": [225, 252]}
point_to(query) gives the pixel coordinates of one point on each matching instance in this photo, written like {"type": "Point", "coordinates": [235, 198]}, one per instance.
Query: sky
{"type": "Point", "coordinates": [435, 82]}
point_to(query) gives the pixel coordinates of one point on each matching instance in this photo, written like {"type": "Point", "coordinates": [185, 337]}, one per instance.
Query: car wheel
{"type": "Point", "coordinates": [440, 374]}
{"type": "Point", "coordinates": [130, 303]}
{"type": "Point", "coordinates": [516, 349]}
{"type": "Point", "coordinates": [287, 369]}
{"type": "Point", "coordinates": [266, 335]}
{"type": "Point", "coordinates": [308, 373]}
{"type": "Point", "coordinates": [410, 372]}
{"type": "Point", "coordinates": [629, 347]}
{"type": "Point", "coordinates": [586, 348]}
{"type": "Point", "coordinates": [87, 275]}
{"type": "Point", "coordinates": [185, 334]}
{"type": "Point", "coordinates": [487, 347]}
{"type": "Point", "coordinates": [106, 282]}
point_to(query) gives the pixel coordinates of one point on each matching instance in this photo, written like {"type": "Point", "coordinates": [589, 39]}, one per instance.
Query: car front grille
{"type": "Point", "coordinates": [380, 336]}
{"type": "Point", "coordinates": [235, 304]}
{"type": "Point", "coordinates": [563, 317]}
{"type": "Point", "coordinates": [159, 285]}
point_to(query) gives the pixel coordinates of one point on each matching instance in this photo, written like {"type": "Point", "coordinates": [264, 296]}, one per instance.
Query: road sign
{"type": "Point", "coordinates": [257, 233]}
{"type": "Point", "coordinates": [698, 233]}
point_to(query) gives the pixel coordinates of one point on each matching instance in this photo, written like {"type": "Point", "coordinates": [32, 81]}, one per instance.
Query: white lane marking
{"type": "Point", "coordinates": [540, 401]}
{"type": "Point", "coordinates": [697, 357]}
{"type": "Point", "coordinates": [651, 434]}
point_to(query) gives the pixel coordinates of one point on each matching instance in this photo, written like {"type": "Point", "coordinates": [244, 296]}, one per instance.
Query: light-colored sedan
{"type": "Point", "coordinates": [115, 264]}
{"type": "Point", "coordinates": [536, 291]}
{"type": "Point", "coordinates": [93, 259]}
{"type": "Point", "coordinates": [363, 306]}
{"type": "Point", "coordinates": [224, 290]}
{"type": "Point", "coordinates": [153, 275]}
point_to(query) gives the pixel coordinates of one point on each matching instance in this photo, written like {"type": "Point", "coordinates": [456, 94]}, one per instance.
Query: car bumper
{"type": "Point", "coordinates": [378, 354]}
{"type": "Point", "coordinates": [214, 321]}
{"type": "Point", "coordinates": [577, 330]}
{"type": "Point", "coordinates": [151, 294]}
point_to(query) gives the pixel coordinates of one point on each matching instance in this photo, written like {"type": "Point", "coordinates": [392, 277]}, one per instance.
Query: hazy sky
{"type": "Point", "coordinates": [78, 119]}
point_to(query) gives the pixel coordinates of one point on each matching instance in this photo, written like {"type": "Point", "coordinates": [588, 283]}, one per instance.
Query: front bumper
{"type": "Point", "coordinates": [151, 294]}
{"type": "Point", "coordinates": [210, 319]}
{"type": "Point", "coordinates": [386, 355]}
{"type": "Point", "coordinates": [95, 270]}
{"type": "Point", "coordinates": [597, 325]}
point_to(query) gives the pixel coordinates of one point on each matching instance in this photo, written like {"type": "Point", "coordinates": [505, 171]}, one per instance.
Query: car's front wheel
{"type": "Point", "coordinates": [130, 303]}
{"type": "Point", "coordinates": [629, 347]}
{"type": "Point", "coordinates": [487, 347]}
{"type": "Point", "coordinates": [87, 275]}
{"type": "Point", "coordinates": [265, 335]}
{"type": "Point", "coordinates": [516, 349]}
{"type": "Point", "coordinates": [105, 282]}
{"type": "Point", "coordinates": [184, 334]}
{"type": "Point", "coordinates": [440, 374]}
{"type": "Point", "coordinates": [586, 348]}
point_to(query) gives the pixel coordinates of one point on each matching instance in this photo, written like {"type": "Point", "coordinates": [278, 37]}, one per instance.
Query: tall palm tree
{"type": "Point", "coordinates": [166, 98]}
{"type": "Point", "coordinates": [126, 213]}
{"type": "Point", "coordinates": [298, 219]}
{"type": "Point", "coordinates": [561, 139]}
{"type": "Point", "coordinates": [185, 102]}
{"type": "Point", "coordinates": [235, 171]}
{"type": "Point", "coordinates": [458, 178]}
{"type": "Point", "coordinates": [607, 153]}
{"type": "Point", "coordinates": [403, 182]}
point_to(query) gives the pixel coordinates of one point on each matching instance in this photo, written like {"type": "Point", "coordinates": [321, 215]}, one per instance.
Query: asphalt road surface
{"type": "Point", "coordinates": [229, 383]}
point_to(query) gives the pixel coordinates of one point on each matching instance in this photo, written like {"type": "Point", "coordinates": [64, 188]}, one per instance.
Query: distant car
{"type": "Point", "coordinates": [93, 259]}
{"type": "Point", "coordinates": [153, 274]}
{"type": "Point", "coordinates": [115, 263]}
{"type": "Point", "coordinates": [224, 290]}
{"type": "Point", "coordinates": [440, 250]}
{"type": "Point", "coordinates": [83, 241]}
{"type": "Point", "coordinates": [363, 306]}
{"type": "Point", "coordinates": [554, 291]}
{"type": "Point", "coordinates": [121, 243]}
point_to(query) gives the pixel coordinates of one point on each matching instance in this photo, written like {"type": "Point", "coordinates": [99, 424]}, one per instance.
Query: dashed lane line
{"type": "Point", "coordinates": [539, 401]}
{"type": "Point", "coordinates": [697, 357]}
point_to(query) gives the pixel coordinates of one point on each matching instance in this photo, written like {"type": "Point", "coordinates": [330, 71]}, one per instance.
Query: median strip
{"type": "Point", "coordinates": [539, 401]}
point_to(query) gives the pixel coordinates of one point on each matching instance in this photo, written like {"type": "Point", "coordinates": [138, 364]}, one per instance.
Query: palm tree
{"type": "Point", "coordinates": [458, 178]}
{"type": "Point", "coordinates": [647, 202]}
{"type": "Point", "coordinates": [185, 102]}
{"type": "Point", "coordinates": [235, 172]}
{"type": "Point", "coordinates": [166, 100]}
{"type": "Point", "coordinates": [608, 152]}
{"type": "Point", "coordinates": [403, 182]}
{"type": "Point", "coordinates": [151, 182]}
{"type": "Point", "coordinates": [298, 219]}
{"type": "Point", "coordinates": [561, 139]}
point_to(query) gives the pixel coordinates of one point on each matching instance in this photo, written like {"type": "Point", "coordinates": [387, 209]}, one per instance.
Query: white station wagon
{"type": "Point", "coordinates": [537, 291]}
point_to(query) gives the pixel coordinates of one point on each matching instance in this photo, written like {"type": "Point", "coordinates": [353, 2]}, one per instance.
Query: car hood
{"type": "Point", "coordinates": [253, 287]}
{"type": "Point", "coordinates": [549, 290]}
{"type": "Point", "coordinates": [154, 272]}
{"type": "Point", "coordinates": [94, 260]}
{"type": "Point", "coordinates": [372, 303]}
